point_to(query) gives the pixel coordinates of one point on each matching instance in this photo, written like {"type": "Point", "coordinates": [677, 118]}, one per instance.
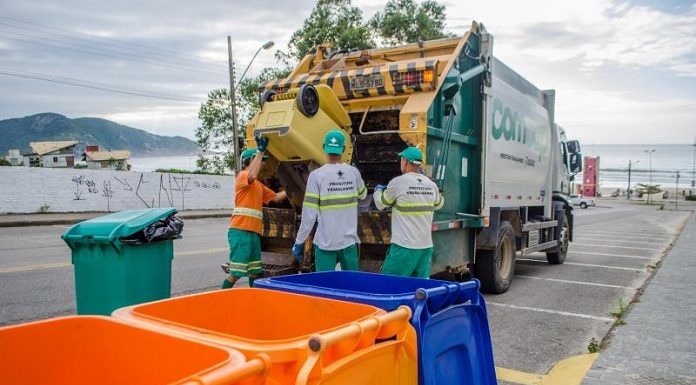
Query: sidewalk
{"type": "Point", "coordinates": [658, 343]}
{"type": "Point", "coordinates": [22, 220]}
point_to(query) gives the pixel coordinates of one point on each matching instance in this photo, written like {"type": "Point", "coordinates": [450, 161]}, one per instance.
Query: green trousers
{"type": "Point", "coordinates": [325, 260]}
{"type": "Point", "coordinates": [408, 262]}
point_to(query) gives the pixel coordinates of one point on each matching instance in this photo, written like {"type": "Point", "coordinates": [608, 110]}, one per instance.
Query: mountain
{"type": "Point", "coordinates": [17, 133]}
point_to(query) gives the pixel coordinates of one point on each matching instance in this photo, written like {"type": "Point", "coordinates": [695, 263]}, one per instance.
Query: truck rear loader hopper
{"type": "Point", "coordinates": [488, 136]}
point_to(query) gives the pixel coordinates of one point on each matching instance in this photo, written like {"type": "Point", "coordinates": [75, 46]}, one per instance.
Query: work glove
{"type": "Point", "coordinates": [261, 143]}
{"type": "Point", "coordinates": [380, 187]}
{"type": "Point", "coordinates": [298, 252]}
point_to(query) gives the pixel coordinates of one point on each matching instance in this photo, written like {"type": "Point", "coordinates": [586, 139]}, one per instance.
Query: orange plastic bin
{"type": "Point", "coordinates": [87, 350]}
{"type": "Point", "coordinates": [283, 326]}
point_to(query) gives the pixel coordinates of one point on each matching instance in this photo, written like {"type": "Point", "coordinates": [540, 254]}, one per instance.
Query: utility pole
{"type": "Point", "coordinates": [676, 193]}
{"type": "Point", "coordinates": [650, 152]}
{"type": "Point", "coordinates": [233, 107]}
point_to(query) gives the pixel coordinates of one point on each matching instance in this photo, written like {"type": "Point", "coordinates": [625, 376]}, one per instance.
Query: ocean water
{"type": "Point", "coordinates": [187, 162]}
{"type": "Point", "coordinates": [613, 164]}
{"type": "Point", "coordinates": [667, 160]}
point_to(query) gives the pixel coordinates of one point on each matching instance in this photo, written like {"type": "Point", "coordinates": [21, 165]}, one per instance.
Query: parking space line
{"type": "Point", "coordinates": [548, 311]}
{"type": "Point", "coordinates": [611, 255]}
{"type": "Point", "coordinates": [616, 247]}
{"type": "Point", "coordinates": [575, 282]}
{"type": "Point", "coordinates": [622, 238]}
{"type": "Point", "coordinates": [581, 238]}
{"type": "Point", "coordinates": [581, 264]}
{"type": "Point", "coordinates": [626, 232]}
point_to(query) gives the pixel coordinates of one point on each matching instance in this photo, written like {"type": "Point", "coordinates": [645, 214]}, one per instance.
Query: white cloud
{"type": "Point", "coordinates": [617, 67]}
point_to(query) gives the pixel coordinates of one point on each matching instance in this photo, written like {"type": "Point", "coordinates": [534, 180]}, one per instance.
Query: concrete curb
{"type": "Point", "coordinates": [49, 220]}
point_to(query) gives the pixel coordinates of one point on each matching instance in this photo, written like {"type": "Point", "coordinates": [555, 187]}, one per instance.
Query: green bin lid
{"type": "Point", "coordinates": [109, 228]}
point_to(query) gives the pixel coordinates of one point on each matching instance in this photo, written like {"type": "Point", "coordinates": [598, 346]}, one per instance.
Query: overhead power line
{"type": "Point", "coordinates": [102, 53]}
{"type": "Point", "coordinates": [92, 85]}
{"type": "Point", "coordinates": [113, 43]}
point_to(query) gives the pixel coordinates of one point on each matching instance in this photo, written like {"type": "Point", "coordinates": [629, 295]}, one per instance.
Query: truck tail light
{"type": "Point", "coordinates": [414, 79]}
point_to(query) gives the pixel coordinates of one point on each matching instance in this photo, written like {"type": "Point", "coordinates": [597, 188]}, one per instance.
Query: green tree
{"type": "Point", "coordinates": [336, 22]}
{"type": "Point", "coordinates": [648, 189]}
{"type": "Point", "coordinates": [5, 162]}
{"type": "Point", "coordinates": [215, 132]}
{"type": "Point", "coordinates": [404, 21]}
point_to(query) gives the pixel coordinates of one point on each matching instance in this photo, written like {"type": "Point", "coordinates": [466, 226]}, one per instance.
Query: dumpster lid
{"type": "Point", "coordinates": [109, 228]}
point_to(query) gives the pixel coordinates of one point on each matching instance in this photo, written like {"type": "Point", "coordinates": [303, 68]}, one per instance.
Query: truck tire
{"type": "Point", "coordinates": [308, 100]}
{"type": "Point", "coordinates": [495, 268]}
{"type": "Point", "coordinates": [558, 257]}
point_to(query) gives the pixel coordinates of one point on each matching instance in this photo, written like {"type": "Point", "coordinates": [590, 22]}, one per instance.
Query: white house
{"type": "Point", "coordinates": [14, 156]}
{"type": "Point", "coordinates": [59, 154]}
{"type": "Point", "coordinates": [116, 160]}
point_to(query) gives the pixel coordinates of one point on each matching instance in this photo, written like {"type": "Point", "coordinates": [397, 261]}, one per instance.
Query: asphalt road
{"type": "Point", "coordinates": [550, 312]}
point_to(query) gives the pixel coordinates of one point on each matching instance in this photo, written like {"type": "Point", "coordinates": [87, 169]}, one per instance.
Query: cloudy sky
{"type": "Point", "coordinates": [624, 71]}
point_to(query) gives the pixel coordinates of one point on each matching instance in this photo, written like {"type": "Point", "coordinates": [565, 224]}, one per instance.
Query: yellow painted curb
{"type": "Point", "coordinates": [570, 371]}
{"type": "Point", "coordinates": [518, 377]}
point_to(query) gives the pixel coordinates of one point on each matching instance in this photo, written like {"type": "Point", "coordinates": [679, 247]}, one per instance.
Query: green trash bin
{"type": "Point", "coordinates": [109, 273]}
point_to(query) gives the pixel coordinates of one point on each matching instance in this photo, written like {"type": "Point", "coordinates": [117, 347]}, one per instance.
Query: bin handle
{"type": "Point", "coordinates": [319, 343]}
{"type": "Point", "coordinates": [260, 365]}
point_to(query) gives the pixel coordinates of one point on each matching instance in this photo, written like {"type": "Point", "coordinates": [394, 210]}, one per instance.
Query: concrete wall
{"type": "Point", "coordinates": [27, 189]}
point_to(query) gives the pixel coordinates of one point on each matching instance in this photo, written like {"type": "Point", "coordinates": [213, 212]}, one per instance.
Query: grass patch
{"type": "Point", "coordinates": [655, 265]}
{"type": "Point", "coordinates": [619, 313]}
{"type": "Point", "coordinates": [593, 346]}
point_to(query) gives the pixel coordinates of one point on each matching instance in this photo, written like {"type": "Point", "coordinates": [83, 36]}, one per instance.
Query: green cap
{"type": "Point", "coordinates": [334, 142]}
{"type": "Point", "coordinates": [250, 153]}
{"type": "Point", "coordinates": [412, 154]}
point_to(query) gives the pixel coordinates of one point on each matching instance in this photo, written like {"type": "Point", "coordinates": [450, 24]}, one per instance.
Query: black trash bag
{"type": "Point", "coordinates": [162, 230]}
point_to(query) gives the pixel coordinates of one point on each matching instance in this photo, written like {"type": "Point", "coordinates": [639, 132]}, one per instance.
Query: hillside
{"type": "Point", "coordinates": [17, 133]}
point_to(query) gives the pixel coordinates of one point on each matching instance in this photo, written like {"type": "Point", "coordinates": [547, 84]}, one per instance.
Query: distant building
{"type": "Point", "coordinates": [59, 154]}
{"type": "Point", "coordinates": [590, 177]}
{"type": "Point", "coordinates": [15, 158]}
{"type": "Point", "coordinates": [115, 160]}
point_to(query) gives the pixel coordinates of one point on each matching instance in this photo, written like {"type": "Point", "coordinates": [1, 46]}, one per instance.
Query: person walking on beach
{"type": "Point", "coordinates": [331, 200]}
{"type": "Point", "coordinates": [246, 224]}
{"type": "Point", "coordinates": [413, 198]}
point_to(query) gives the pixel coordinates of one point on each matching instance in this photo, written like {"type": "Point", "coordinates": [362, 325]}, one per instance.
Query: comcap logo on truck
{"type": "Point", "coordinates": [510, 125]}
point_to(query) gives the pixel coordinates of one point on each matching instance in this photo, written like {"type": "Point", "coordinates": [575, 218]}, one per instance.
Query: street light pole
{"type": "Point", "coordinates": [676, 193]}
{"type": "Point", "coordinates": [233, 97]}
{"type": "Point", "coordinates": [233, 106]}
{"type": "Point", "coordinates": [650, 152]}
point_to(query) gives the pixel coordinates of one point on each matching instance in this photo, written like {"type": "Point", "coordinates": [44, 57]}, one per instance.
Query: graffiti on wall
{"type": "Point", "coordinates": [167, 190]}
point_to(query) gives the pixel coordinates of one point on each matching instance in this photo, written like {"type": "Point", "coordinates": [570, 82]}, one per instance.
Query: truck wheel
{"type": "Point", "coordinates": [495, 268]}
{"type": "Point", "coordinates": [583, 205]}
{"type": "Point", "coordinates": [308, 100]}
{"type": "Point", "coordinates": [558, 257]}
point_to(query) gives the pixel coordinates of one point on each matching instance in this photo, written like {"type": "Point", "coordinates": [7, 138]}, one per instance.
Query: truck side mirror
{"type": "Point", "coordinates": [575, 163]}
{"type": "Point", "coordinates": [573, 146]}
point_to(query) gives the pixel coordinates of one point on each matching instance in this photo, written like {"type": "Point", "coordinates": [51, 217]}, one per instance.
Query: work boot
{"type": "Point", "coordinates": [225, 267]}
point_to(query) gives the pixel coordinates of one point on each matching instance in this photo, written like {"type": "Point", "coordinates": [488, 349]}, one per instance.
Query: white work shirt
{"type": "Point", "coordinates": [331, 199]}
{"type": "Point", "coordinates": [414, 198]}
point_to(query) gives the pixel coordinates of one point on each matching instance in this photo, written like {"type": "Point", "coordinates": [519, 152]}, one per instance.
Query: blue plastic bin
{"type": "Point", "coordinates": [451, 321]}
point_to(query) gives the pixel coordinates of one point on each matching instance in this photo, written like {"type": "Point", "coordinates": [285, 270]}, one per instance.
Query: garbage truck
{"type": "Point", "coordinates": [488, 135]}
